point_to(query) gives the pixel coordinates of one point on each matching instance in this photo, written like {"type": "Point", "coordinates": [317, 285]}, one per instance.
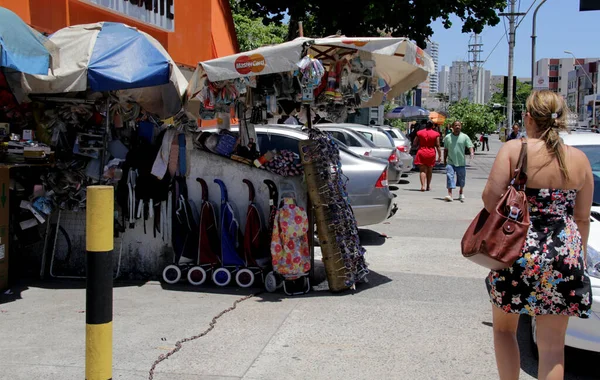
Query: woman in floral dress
{"type": "Point", "coordinates": [548, 281]}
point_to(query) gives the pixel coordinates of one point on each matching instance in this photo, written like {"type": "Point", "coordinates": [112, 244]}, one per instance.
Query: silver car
{"type": "Point", "coordinates": [401, 141]}
{"type": "Point", "coordinates": [358, 143]}
{"type": "Point", "coordinates": [367, 187]}
{"type": "Point", "coordinates": [379, 137]}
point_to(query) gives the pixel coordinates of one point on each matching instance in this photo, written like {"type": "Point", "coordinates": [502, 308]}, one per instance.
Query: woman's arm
{"type": "Point", "coordinates": [439, 150]}
{"type": "Point", "coordinates": [583, 203]}
{"type": "Point", "coordinates": [500, 176]}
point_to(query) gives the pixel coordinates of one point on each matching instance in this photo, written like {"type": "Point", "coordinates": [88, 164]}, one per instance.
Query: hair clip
{"type": "Point", "coordinates": [554, 115]}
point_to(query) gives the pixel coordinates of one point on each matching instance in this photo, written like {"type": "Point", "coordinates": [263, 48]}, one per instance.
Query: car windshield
{"type": "Point", "coordinates": [593, 154]}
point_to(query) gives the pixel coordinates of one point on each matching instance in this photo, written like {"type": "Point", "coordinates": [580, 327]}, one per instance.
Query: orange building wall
{"type": "Point", "coordinates": [203, 28]}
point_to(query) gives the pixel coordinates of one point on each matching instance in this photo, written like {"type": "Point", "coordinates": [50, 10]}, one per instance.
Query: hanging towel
{"type": "Point", "coordinates": [159, 169]}
{"type": "Point", "coordinates": [174, 157]}
{"type": "Point", "coordinates": [182, 166]}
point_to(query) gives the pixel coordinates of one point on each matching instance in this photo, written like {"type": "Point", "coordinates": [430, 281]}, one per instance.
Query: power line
{"type": "Point", "coordinates": [526, 13]}
{"type": "Point", "coordinates": [495, 46]}
{"type": "Point", "coordinates": [505, 28]}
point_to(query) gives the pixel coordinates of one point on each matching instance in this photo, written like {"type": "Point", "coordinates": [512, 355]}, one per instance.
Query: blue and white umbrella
{"type": "Point", "coordinates": [109, 56]}
{"type": "Point", "coordinates": [408, 113]}
{"type": "Point", "coordinates": [22, 48]}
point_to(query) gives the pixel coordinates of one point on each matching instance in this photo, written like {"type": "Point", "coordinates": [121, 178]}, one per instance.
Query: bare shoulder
{"type": "Point", "coordinates": [510, 148]}
{"type": "Point", "coordinates": [577, 156]}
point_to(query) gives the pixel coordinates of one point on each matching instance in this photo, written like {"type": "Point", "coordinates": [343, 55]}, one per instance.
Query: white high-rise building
{"type": "Point", "coordinates": [444, 80]}
{"type": "Point", "coordinates": [460, 81]}
{"type": "Point", "coordinates": [433, 49]}
{"type": "Point", "coordinates": [482, 92]}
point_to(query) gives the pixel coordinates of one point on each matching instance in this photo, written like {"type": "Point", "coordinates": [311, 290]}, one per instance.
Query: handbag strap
{"type": "Point", "coordinates": [519, 179]}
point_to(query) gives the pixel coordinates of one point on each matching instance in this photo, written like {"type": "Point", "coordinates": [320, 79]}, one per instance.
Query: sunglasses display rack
{"type": "Point", "coordinates": [343, 256]}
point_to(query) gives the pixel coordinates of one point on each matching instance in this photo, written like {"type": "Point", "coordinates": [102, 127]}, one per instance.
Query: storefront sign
{"type": "Point", "coordinates": [246, 64]}
{"type": "Point", "coordinates": [355, 43]}
{"type": "Point", "coordinates": [158, 13]}
{"type": "Point", "coordinates": [541, 82]}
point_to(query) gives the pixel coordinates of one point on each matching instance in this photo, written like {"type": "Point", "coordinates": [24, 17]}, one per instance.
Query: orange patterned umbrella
{"type": "Point", "coordinates": [437, 118]}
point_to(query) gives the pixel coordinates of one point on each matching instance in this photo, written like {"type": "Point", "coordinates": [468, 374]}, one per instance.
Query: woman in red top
{"type": "Point", "coordinates": [428, 141]}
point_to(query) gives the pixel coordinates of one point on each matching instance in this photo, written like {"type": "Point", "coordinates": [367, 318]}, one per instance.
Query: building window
{"type": "Point", "coordinates": [553, 67]}
{"type": "Point", "coordinates": [553, 79]}
{"type": "Point", "coordinates": [559, 89]}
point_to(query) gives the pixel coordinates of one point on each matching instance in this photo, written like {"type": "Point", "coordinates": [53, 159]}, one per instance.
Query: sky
{"type": "Point", "coordinates": [560, 27]}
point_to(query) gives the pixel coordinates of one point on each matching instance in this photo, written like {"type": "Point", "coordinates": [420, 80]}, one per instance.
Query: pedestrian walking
{"type": "Point", "coordinates": [455, 145]}
{"type": "Point", "coordinates": [515, 134]}
{"type": "Point", "coordinates": [549, 280]}
{"type": "Point", "coordinates": [485, 141]}
{"type": "Point", "coordinates": [429, 142]}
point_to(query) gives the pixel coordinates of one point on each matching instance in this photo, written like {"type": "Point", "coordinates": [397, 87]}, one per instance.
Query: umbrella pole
{"type": "Point", "coordinates": [311, 213]}
{"type": "Point", "coordinates": [104, 139]}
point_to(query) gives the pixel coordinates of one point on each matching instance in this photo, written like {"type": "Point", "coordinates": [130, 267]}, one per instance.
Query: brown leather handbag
{"type": "Point", "coordinates": [496, 240]}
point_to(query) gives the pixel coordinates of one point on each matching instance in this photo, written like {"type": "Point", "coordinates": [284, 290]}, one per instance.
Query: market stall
{"type": "Point", "coordinates": [22, 49]}
{"type": "Point", "coordinates": [295, 83]}
{"type": "Point", "coordinates": [90, 120]}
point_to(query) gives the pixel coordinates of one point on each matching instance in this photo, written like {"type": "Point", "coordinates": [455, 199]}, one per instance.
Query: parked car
{"type": "Point", "coordinates": [379, 137]}
{"type": "Point", "coordinates": [585, 333]}
{"type": "Point", "coordinates": [401, 141]}
{"type": "Point", "coordinates": [367, 187]}
{"type": "Point", "coordinates": [358, 143]}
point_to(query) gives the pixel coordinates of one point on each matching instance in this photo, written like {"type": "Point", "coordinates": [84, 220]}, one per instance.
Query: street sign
{"type": "Point", "coordinates": [541, 82]}
{"type": "Point", "coordinates": [589, 5]}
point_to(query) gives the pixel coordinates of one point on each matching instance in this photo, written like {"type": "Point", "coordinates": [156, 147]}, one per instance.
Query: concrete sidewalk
{"type": "Point", "coordinates": [424, 314]}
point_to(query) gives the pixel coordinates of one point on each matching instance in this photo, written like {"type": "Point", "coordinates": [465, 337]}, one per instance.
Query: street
{"type": "Point", "coordinates": [424, 314]}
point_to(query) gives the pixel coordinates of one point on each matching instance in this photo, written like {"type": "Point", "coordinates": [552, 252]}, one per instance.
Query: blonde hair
{"type": "Point", "coordinates": [549, 112]}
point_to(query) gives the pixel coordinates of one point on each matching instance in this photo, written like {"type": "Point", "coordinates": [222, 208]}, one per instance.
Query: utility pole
{"type": "Point", "coordinates": [475, 49]}
{"type": "Point", "coordinates": [533, 37]}
{"type": "Point", "coordinates": [512, 17]}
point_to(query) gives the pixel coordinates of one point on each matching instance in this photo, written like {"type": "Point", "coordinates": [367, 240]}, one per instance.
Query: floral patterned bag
{"type": "Point", "coordinates": [289, 242]}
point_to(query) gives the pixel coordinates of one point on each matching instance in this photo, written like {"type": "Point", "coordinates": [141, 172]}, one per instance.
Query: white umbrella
{"type": "Point", "coordinates": [108, 56]}
{"type": "Point", "coordinates": [400, 62]}
{"type": "Point", "coordinates": [265, 60]}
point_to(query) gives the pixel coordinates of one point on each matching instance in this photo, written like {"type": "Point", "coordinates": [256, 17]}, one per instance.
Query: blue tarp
{"type": "Point", "coordinates": [21, 48]}
{"type": "Point", "coordinates": [123, 58]}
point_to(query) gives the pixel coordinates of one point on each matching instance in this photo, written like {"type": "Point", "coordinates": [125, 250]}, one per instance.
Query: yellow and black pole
{"type": "Point", "coordinates": [99, 287]}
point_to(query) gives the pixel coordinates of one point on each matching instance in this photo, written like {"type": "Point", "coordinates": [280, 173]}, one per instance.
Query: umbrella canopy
{"type": "Point", "coordinates": [408, 113]}
{"type": "Point", "coordinates": [22, 48]}
{"type": "Point", "coordinates": [400, 62]}
{"type": "Point", "coordinates": [397, 60]}
{"type": "Point", "coordinates": [109, 56]}
{"type": "Point", "coordinates": [437, 118]}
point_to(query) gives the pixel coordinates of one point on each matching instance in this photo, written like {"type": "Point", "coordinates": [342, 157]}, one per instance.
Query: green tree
{"type": "Point", "coordinates": [522, 93]}
{"type": "Point", "coordinates": [475, 118]}
{"type": "Point", "coordinates": [402, 18]}
{"type": "Point", "coordinates": [252, 32]}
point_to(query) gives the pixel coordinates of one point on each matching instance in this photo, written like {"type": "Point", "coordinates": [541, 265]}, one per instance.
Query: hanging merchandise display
{"type": "Point", "coordinates": [343, 256]}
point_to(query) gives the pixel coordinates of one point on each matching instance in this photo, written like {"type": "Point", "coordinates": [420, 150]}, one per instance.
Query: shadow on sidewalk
{"type": "Point", "coordinates": [16, 290]}
{"type": "Point", "coordinates": [319, 287]}
{"type": "Point", "coordinates": [578, 363]}
{"type": "Point", "coordinates": [371, 238]}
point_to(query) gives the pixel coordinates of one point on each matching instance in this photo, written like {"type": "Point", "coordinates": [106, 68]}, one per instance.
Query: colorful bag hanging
{"type": "Point", "coordinates": [289, 242]}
